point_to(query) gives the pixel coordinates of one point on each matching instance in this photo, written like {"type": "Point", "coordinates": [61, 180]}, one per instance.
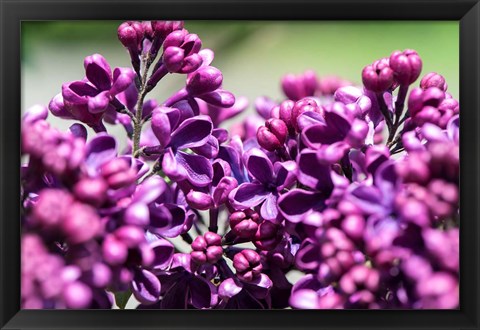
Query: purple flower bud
{"type": "Point", "coordinates": [173, 58]}
{"type": "Point", "coordinates": [131, 236]}
{"type": "Point", "coordinates": [199, 200]}
{"type": "Point", "coordinates": [418, 99]}
{"type": "Point", "coordinates": [117, 173]}
{"type": "Point", "coordinates": [268, 236]}
{"type": "Point", "coordinates": [114, 251]}
{"type": "Point", "coordinates": [130, 35]}
{"type": "Point", "coordinates": [298, 87]}
{"type": "Point", "coordinates": [57, 107]}
{"type": "Point", "coordinates": [360, 276]}
{"type": "Point", "coordinates": [406, 66]}
{"type": "Point", "coordinates": [37, 112]}
{"type": "Point", "coordinates": [80, 224]}
{"type": "Point", "coordinates": [163, 28]}
{"type": "Point", "coordinates": [244, 224]}
{"type": "Point", "coordinates": [378, 77]}
{"type": "Point", "coordinates": [137, 214]}
{"type": "Point", "coordinates": [122, 79]}
{"type": "Point", "coordinates": [286, 114]}
{"type": "Point", "coordinates": [77, 295]}
{"type": "Point", "coordinates": [273, 135]}
{"type": "Point", "coordinates": [91, 191]}
{"type": "Point", "coordinates": [207, 248]}
{"type": "Point", "coordinates": [433, 79]}
{"type": "Point", "coordinates": [247, 264]}
{"type": "Point", "coordinates": [328, 85]}
{"type": "Point", "coordinates": [51, 207]}
{"type": "Point", "coordinates": [79, 131]}
{"type": "Point", "coordinates": [223, 189]}
{"type": "Point", "coordinates": [204, 80]}
{"type": "Point", "coordinates": [306, 104]}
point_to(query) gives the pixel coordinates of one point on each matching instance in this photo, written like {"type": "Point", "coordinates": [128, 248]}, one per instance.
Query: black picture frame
{"type": "Point", "coordinates": [12, 12]}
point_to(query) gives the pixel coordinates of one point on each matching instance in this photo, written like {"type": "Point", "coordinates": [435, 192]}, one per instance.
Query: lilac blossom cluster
{"type": "Point", "coordinates": [354, 188]}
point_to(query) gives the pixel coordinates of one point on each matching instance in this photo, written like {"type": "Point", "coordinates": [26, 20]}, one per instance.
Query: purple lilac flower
{"type": "Point", "coordinates": [356, 187]}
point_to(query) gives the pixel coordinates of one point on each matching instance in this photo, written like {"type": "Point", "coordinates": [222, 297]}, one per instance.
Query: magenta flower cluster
{"type": "Point", "coordinates": [355, 188]}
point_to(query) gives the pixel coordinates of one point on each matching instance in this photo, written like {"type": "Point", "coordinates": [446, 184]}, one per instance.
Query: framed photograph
{"type": "Point", "coordinates": [239, 164]}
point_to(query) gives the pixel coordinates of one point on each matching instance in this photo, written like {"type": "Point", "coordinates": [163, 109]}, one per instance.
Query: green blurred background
{"type": "Point", "coordinates": [253, 55]}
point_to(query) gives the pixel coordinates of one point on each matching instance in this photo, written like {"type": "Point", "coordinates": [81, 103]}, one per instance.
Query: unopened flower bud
{"type": "Point", "coordinates": [273, 135]}
{"type": "Point", "coordinates": [286, 113]}
{"type": "Point", "coordinates": [80, 224]}
{"type": "Point", "coordinates": [163, 28]}
{"type": "Point", "coordinates": [247, 264]}
{"type": "Point", "coordinates": [378, 77]}
{"type": "Point", "coordinates": [204, 80]}
{"type": "Point", "coordinates": [130, 34]}
{"type": "Point", "coordinates": [92, 191]}
{"type": "Point", "coordinates": [406, 66]}
{"type": "Point", "coordinates": [268, 236]}
{"type": "Point", "coordinates": [199, 200]}
{"type": "Point", "coordinates": [77, 295]}
{"type": "Point", "coordinates": [51, 206]}
{"type": "Point", "coordinates": [433, 79]}
{"type": "Point", "coordinates": [244, 224]}
{"type": "Point", "coordinates": [207, 248]}
{"type": "Point", "coordinates": [114, 251]}
{"type": "Point", "coordinates": [306, 104]}
{"type": "Point", "coordinates": [117, 173]}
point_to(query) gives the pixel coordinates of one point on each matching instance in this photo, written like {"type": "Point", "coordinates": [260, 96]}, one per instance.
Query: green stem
{"type": "Point", "coordinates": [137, 123]}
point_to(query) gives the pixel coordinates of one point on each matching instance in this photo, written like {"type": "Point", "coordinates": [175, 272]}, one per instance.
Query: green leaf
{"type": "Point", "coordinates": [121, 298]}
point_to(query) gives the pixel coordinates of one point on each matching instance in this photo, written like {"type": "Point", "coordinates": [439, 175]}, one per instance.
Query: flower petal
{"type": "Point", "coordinates": [98, 71]}
{"type": "Point", "coordinates": [296, 203]}
{"type": "Point", "coordinates": [312, 173]}
{"type": "Point", "coordinates": [193, 132]}
{"type": "Point", "coordinates": [101, 149]}
{"type": "Point", "coordinates": [248, 195]}
{"type": "Point", "coordinates": [146, 287]}
{"type": "Point", "coordinates": [260, 166]}
{"type": "Point", "coordinates": [198, 169]}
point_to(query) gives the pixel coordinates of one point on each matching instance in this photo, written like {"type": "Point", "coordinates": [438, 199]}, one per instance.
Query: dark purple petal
{"type": "Point", "coordinates": [269, 210]}
{"type": "Point", "coordinates": [308, 256]}
{"type": "Point", "coordinates": [198, 169]}
{"type": "Point", "coordinates": [219, 98]}
{"type": "Point", "coordinates": [260, 166]}
{"type": "Point", "coordinates": [316, 135]}
{"type": "Point", "coordinates": [367, 198]}
{"type": "Point", "coordinates": [209, 149]}
{"type": "Point", "coordinates": [163, 251]}
{"type": "Point", "coordinates": [146, 287]}
{"type": "Point", "coordinates": [170, 166]}
{"type": "Point", "coordinates": [122, 79]}
{"type": "Point", "coordinates": [202, 293]}
{"type": "Point", "coordinates": [312, 173]}
{"type": "Point", "coordinates": [101, 149]}
{"type": "Point", "coordinates": [309, 118]}
{"type": "Point", "coordinates": [98, 71]}
{"type": "Point", "coordinates": [99, 103]}
{"type": "Point", "coordinates": [161, 127]}
{"type": "Point", "coordinates": [193, 132]}
{"type": "Point", "coordinates": [296, 203]}
{"type": "Point", "coordinates": [285, 174]}
{"type": "Point", "coordinates": [248, 195]}
{"type": "Point", "coordinates": [149, 190]}
{"type": "Point", "coordinates": [330, 154]}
